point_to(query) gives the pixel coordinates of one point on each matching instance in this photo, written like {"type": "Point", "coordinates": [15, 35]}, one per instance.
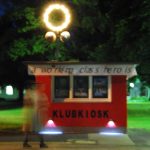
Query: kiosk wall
{"type": "Point", "coordinates": [85, 97]}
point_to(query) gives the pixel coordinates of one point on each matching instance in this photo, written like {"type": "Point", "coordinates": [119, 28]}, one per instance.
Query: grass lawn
{"type": "Point", "coordinates": [11, 118]}
{"type": "Point", "coordinates": [138, 117]}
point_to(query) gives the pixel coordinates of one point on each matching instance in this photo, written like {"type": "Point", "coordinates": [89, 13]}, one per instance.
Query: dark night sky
{"type": "Point", "coordinates": [4, 6]}
{"type": "Point", "coordinates": [1, 9]}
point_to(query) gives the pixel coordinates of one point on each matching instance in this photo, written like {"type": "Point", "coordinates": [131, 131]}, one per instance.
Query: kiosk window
{"type": "Point", "coordinates": [81, 88]}
{"type": "Point", "coordinates": [61, 87]}
{"type": "Point", "coordinates": [81, 85]}
{"type": "Point", "coordinates": [100, 87]}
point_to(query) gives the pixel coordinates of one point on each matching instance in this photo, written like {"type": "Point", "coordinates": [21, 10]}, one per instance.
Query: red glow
{"type": "Point", "coordinates": [50, 123]}
{"type": "Point", "coordinates": [111, 124]}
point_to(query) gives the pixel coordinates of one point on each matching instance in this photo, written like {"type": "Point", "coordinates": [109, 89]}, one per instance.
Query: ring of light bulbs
{"type": "Point", "coordinates": [57, 30]}
{"type": "Point", "coordinates": [50, 10]}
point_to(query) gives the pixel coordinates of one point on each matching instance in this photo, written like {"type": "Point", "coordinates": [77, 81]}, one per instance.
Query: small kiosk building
{"type": "Point", "coordinates": [85, 97]}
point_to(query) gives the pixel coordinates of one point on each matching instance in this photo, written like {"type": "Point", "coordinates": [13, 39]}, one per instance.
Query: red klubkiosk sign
{"type": "Point", "coordinates": [85, 97]}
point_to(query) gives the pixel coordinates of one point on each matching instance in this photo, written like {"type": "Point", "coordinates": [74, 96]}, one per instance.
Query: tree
{"type": "Point", "coordinates": [98, 28]}
{"type": "Point", "coordinates": [102, 31]}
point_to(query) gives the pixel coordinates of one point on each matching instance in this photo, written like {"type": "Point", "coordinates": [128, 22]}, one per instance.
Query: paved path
{"type": "Point", "coordinates": [72, 146]}
{"type": "Point", "coordinates": [134, 140]}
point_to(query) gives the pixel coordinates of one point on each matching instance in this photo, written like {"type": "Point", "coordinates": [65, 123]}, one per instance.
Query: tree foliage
{"type": "Point", "coordinates": [102, 31]}
{"type": "Point", "coordinates": [98, 29]}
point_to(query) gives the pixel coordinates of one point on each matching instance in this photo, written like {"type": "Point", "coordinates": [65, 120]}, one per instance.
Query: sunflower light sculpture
{"type": "Point", "coordinates": [57, 18]}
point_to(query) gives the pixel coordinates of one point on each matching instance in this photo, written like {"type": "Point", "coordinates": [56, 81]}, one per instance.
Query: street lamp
{"type": "Point", "coordinates": [132, 85]}
{"type": "Point", "coordinates": [57, 18]}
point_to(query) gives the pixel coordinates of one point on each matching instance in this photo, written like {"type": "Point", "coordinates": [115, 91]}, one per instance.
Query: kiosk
{"type": "Point", "coordinates": [85, 97]}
